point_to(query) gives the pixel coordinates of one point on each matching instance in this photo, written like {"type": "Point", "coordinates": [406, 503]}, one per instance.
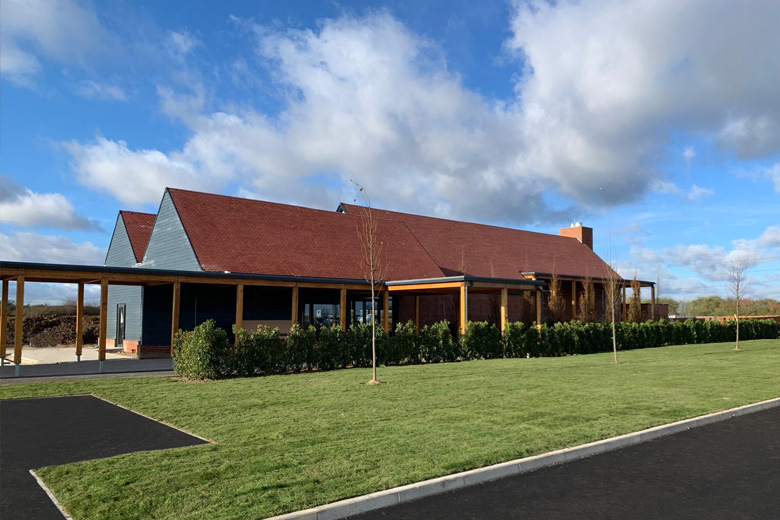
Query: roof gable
{"type": "Point", "coordinates": [120, 251]}
{"type": "Point", "coordinates": [169, 246]}
{"type": "Point", "coordinates": [251, 236]}
{"type": "Point", "coordinates": [496, 252]}
{"type": "Point", "coordinates": [139, 228]}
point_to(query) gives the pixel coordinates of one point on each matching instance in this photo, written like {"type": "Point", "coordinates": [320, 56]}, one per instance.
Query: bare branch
{"type": "Point", "coordinates": [374, 266]}
{"type": "Point", "coordinates": [739, 280]}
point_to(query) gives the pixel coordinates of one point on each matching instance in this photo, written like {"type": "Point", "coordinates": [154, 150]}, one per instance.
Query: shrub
{"type": "Point", "coordinates": [514, 339]}
{"type": "Point", "coordinates": [358, 343]}
{"type": "Point", "coordinates": [437, 344]}
{"type": "Point", "coordinates": [404, 346]}
{"type": "Point", "coordinates": [331, 351]}
{"type": "Point", "coordinates": [301, 344]}
{"type": "Point", "coordinates": [269, 354]}
{"type": "Point", "coordinates": [481, 341]}
{"type": "Point", "coordinates": [202, 353]}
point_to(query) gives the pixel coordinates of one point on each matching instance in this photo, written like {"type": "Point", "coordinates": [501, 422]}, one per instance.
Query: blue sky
{"type": "Point", "coordinates": [656, 123]}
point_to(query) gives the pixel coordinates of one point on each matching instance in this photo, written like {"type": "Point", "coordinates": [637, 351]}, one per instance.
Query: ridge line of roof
{"type": "Point", "coordinates": [281, 204]}
{"type": "Point", "coordinates": [297, 206]}
{"type": "Point", "coordinates": [123, 211]}
{"type": "Point", "coordinates": [461, 221]}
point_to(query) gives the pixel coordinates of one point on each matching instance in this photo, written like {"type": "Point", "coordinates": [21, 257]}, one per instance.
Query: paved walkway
{"type": "Point", "coordinates": [51, 355]}
{"type": "Point", "coordinates": [61, 430]}
{"type": "Point", "coordinates": [74, 371]}
{"type": "Point", "coordinates": [729, 469]}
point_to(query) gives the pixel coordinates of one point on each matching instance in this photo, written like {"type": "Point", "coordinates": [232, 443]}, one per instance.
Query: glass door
{"type": "Point", "coordinates": [121, 315]}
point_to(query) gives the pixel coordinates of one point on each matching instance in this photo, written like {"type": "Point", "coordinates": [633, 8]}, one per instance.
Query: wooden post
{"type": "Point", "coordinates": [343, 309]}
{"type": "Point", "coordinates": [417, 314]}
{"type": "Point", "coordinates": [4, 321]}
{"type": "Point", "coordinates": [294, 316]}
{"type": "Point", "coordinates": [103, 319]}
{"type": "Point", "coordinates": [239, 307]}
{"type": "Point", "coordinates": [652, 302]}
{"type": "Point", "coordinates": [538, 308]}
{"type": "Point", "coordinates": [573, 299]}
{"type": "Point", "coordinates": [464, 307]}
{"type": "Point", "coordinates": [18, 329]}
{"type": "Point", "coordinates": [386, 311]}
{"type": "Point", "coordinates": [80, 319]}
{"type": "Point", "coordinates": [504, 308]}
{"type": "Point", "coordinates": [175, 311]}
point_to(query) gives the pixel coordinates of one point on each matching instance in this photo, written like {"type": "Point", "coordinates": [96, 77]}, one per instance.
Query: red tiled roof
{"type": "Point", "coordinates": [493, 251]}
{"type": "Point", "coordinates": [251, 236]}
{"type": "Point", "coordinates": [139, 229]}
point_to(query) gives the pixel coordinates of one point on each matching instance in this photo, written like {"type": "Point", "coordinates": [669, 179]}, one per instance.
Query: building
{"type": "Point", "coordinates": [427, 260]}
{"type": "Point", "coordinates": [245, 262]}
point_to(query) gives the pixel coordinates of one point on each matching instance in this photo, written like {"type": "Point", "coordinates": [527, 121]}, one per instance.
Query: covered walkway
{"type": "Point", "coordinates": [23, 272]}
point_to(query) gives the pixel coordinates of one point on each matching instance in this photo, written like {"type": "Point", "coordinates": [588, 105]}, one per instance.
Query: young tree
{"type": "Point", "coordinates": [555, 303]}
{"type": "Point", "coordinates": [738, 282]}
{"type": "Point", "coordinates": [612, 288]}
{"type": "Point", "coordinates": [374, 268]}
{"type": "Point", "coordinates": [586, 311]}
{"type": "Point", "coordinates": [635, 314]}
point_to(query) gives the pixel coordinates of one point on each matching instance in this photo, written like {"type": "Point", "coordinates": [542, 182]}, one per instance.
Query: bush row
{"type": "Point", "coordinates": [205, 353]}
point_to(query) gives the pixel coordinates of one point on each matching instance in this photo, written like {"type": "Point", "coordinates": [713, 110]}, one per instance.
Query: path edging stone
{"type": "Point", "coordinates": [51, 495]}
{"type": "Point", "coordinates": [435, 486]}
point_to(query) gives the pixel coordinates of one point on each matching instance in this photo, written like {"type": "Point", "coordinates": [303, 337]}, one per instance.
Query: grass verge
{"type": "Point", "coordinates": [290, 442]}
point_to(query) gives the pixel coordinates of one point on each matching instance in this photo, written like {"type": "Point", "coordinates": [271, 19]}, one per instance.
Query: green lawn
{"type": "Point", "coordinates": [290, 442]}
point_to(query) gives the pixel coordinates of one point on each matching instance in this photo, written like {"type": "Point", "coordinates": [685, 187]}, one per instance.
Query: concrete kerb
{"type": "Point", "coordinates": [389, 497]}
{"type": "Point", "coordinates": [51, 495]}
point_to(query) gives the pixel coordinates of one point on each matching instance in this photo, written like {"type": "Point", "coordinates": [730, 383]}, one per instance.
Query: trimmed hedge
{"type": "Point", "coordinates": [204, 353]}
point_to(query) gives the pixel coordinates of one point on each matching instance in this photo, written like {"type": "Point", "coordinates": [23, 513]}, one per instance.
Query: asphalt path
{"type": "Point", "coordinates": [43, 432]}
{"type": "Point", "coordinates": [729, 469]}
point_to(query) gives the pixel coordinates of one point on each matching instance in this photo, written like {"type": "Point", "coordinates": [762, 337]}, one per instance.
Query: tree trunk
{"type": "Point", "coordinates": [373, 333]}
{"type": "Point", "coordinates": [614, 335]}
{"type": "Point", "coordinates": [736, 316]}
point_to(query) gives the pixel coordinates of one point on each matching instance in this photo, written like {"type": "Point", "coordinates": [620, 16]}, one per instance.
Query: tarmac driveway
{"type": "Point", "coordinates": [59, 430]}
{"type": "Point", "coordinates": [729, 469]}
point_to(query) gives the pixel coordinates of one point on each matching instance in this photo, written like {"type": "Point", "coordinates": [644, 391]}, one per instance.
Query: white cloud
{"type": "Point", "coordinates": [670, 188]}
{"type": "Point", "coordinates": [606, 83]}
{"type": "Point", "coordinates": [36, 293]}
{"type": "Point", "coordinates": [688, 154]}
{"type": "Point", "coordinates": [17, 65]}
{"type": "Point", "coordinates": [770, 238]}
{"type": "Point", "coordinates": [63, 30]}
{"type": "Point", "coordinates": [665, 187]}
{"type": "Point", "coordinates": [133, 177]}
{"type": "Point", "coordinates": [710, 266]}
{"type": "Point", "coordinates": [32, 247]}
{"type": "Point", "coordinates": [180, 43]}
{"type": "Point", "coordinates": [697, 192]}
{"type": "Point", "coordinates": [372, 102]}
{"type": "Point", "coordinates": [770, 172]}
{"type": "Point", "coordinates": [23, 207]}
{"type": "Point", "coordinates": [94, 90]}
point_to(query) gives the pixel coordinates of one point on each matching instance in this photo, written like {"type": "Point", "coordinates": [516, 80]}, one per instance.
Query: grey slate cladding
{"type": "Point", "coordinates": [120, 254]}
{"type": "Point", "coordinates": [169, 247]}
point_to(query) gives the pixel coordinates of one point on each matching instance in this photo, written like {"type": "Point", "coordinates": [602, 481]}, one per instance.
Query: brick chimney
{"type": "Point", "coordinates": [580, 232]}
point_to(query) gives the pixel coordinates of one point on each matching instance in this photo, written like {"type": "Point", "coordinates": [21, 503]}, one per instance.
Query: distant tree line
{"type": "Point", "coordinates": [717, 306]}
